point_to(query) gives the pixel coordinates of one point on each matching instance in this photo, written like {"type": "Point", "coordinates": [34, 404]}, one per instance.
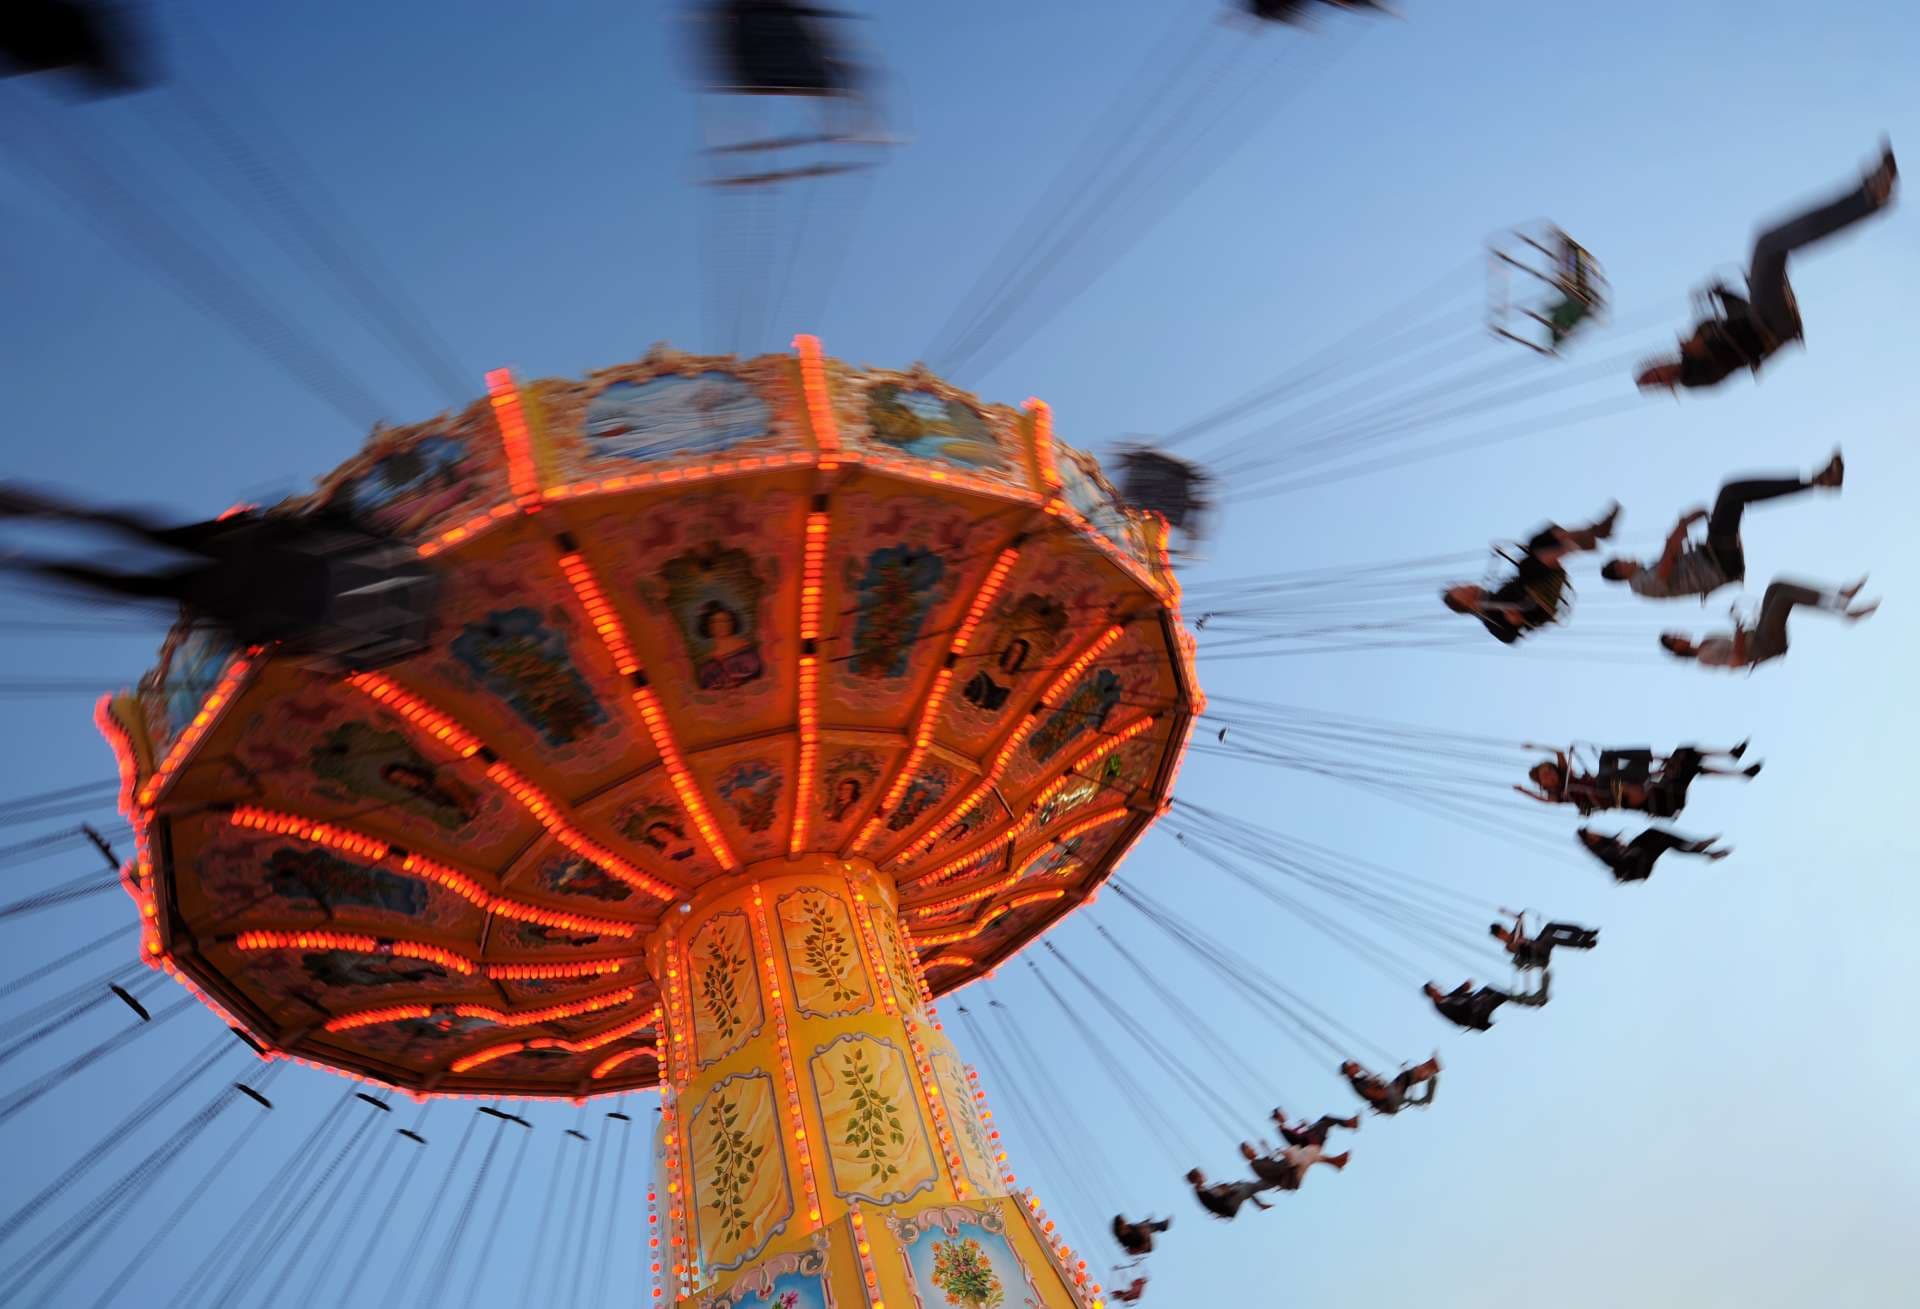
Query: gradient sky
{"type": "Point", "coordinates": [1710, 1112]}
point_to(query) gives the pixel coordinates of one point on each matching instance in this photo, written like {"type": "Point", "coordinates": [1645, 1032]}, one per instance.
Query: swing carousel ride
{"type": "Point", "coordinates": [768, 699]}
{"type": "Point", "coordinates": [697, 726]}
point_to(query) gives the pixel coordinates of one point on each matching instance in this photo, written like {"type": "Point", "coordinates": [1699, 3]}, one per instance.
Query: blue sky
{"type": "Point", "coordinates": [1700, 1115]}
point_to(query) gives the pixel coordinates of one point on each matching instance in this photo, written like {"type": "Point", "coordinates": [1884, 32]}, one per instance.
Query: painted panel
{"type": "Point", "coordinates": [742, 1196]}
{"type": "Point", "coordinates": [959, 1257]}
{"type": "Point", "coordinates": [877, 1146]}
{"type": "Point", "coordinates": [727, 1009]}
{"type": "Point", "coordinates": [823, 954]}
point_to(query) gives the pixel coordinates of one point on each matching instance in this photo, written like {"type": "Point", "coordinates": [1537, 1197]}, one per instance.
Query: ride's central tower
{"type": "Point", "coordinates": [822, 1142]}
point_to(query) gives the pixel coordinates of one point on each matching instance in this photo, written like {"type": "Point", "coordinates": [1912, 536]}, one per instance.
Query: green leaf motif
{"type": "Point", "coordinates": [720, 989]}
{"type": "Point", "coordinates": [828, 952]}
{"type": "Point", "coordinates": [732, 1161]}
{"type": "Point", "coordinates": [875, 1119]}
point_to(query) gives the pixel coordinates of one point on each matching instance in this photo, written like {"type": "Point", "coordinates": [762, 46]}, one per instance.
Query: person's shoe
{"type": "Point", "coordinates": [1846, 593]}
{"type": "Point", "coordinates": [1604, 528]}
{"type": "Point", "coordinates": [1751, 770]}
{"type": "Point", "coordinates": [1864, 611]}
{"type": "Point", "coordinates": [1833, 474]}
{"type": "Point", "coordinates": [1351, 1124]}
{"type": "Point", "coordinates": [1717, 855]}
{"type": "Point", "coordinates": [1880, 181]}
{"type": "Point", "coordinates": [1740, 749]}
{"type": "Point", "coordinates": [1337, 1160]}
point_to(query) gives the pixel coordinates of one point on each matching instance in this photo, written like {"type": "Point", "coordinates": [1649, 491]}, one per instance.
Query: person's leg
{"type": "Point", "coordinates": [1767, 276]}
{"type": "Point", "coordinates": [1656, 841]}
{"type": "Point", "coordinates": [1724, 522]}
{"type": "Point", "coordinates": [1769, 639]}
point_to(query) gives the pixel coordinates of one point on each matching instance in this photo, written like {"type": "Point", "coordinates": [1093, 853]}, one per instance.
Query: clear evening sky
{"type": "Point", "coordinates": [1713, 1109]}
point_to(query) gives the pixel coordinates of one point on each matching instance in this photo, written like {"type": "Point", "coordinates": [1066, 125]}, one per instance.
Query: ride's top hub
{"type": "Point", "coordinates": [696, 615]}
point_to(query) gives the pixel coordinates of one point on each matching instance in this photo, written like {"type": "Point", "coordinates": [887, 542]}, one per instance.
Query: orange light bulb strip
{"type": "Point", "coordinates": [1036, 897]}
{"type": "Point", "coordinates": [1118, 738]}
{"type": "Point", "coordinates": [390, 695]}
{"type": "Point", "coordinates": [467, 529]}
{"type": "Point", "coordinates": [600, 612]}
{"type": "Point", "coordinates": [1043, 442]}
{"type": "Point", "coordinates": [950, 961]}
{"type": "Point", "coordinates": [1091, 821]}
{"type": "Point", "coordinates": [268, 940]}
{"type": "Point", "coordinates": [974, 896]}
{"type": "Point", "coordinates": [552, 1013]}
{"type": "Point", "coordinates": [607, 1065]}
{"type": "Point", "coordinates": [812, 571]}
{"type": "Point", "coordinates": [655, 719]}
{"type": "Point", "coordinates": [466, 887]}
{"type": "Point", "coordinates": [582, 1046]}
{"type": "Point", "coordinates": [992, 916]}
{"type": "Point", "coordinates": [522, 477]}
{"type": "Point", "coordinates": [955, 867]}
{"type": "Point", "coordinates": [554, 972]}
{"type": "Point", "coordinates": [819, 399]}
{"type": "Point", "coordinates": [936, 1108]}
{"type": "Point", "coordinates": [216, 703]}
{"type": "Point", "coordinates": [986, 1125]}
{"type": "Point", "coordinates": [864, 1248]}
{"type": "Point", "coordinates": [653, 1241]}
{"type": "Point", "coordinates": [1004, 755]}
{"type": "Point", "coordinates": [126, 766]}
{"type": "Point", "coordinates": [796, 1120]}
{"type": "Point", "coordinates": [549, 816]}
{"type": "Point", "coordinates": [373, 1017]}
{"type": "Point", "coordinates": [679, 1071]}
{"type": "Point", "coordinates": [990, 587]}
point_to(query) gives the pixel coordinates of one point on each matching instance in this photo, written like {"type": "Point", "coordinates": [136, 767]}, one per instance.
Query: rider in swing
{"type": "Point", "coordinates": [1532, 598]}
{"type": "Point", "coordinates": [1626, 779]}
{"type": "Point", "coordinates": [1749, 329]}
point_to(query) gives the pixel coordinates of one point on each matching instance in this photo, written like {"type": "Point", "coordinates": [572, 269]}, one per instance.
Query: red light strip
{"type": "Point", "coordinates": [582, 1046]}
{"type": "Point", "coordinates": [950, 961]}
{"type": "Point", "coordinates": [894, 1003]}
{"type": "Point", "coordinates": [655, 719]}
{"type": "Point", "coordinates": [1119, 738]}
{"type": "Point", "coordinates": [864, 1248]}
{"type": "Point", "coordinates": [548, 815]}
{"type": "Point", "coordinates": [126, 765]}
{"type": "Point", "coordinates": [936, 700]}
{"type": "Point", "coordinates": [203, 720]}
{"type": "Point", "coordinates": [1043, 442]}
{"type": "Point", "coordinates": [974, 896]}
{"type": "Point", "coordinates": [797, 1123]}
{"type": "Point", "coordinates": [1027, 726]}
{"type": "Point", "coordinates": [461, 884]}
{"type": "Point", "coordinates": [553, 972]}
{"type": "Point", "coordinates": [552, 1013]}
{"type": "Point", "coordinates": [605, 621]}
{"type": "Point", "coordinates": [993, 915]}
{"type": "Point", "coordinates": [261, 940]}
{"type": "Point", "coordinates": [815, 555]}
{"type": "Point", "coordinates": [813, 385]}
{"type": "Point", "coordinates": [607, 1065]}
{"type": "Point", "coordinates": [522, 477]}
{"type": "Point", "coordinates": [1036, 897]}
{"type": "Point", "coordinates": [418, 712]}
{"type": "Point", "coordinates": [374, 1017]}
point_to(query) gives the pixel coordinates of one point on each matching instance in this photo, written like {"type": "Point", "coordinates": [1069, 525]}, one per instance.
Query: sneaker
{"type": "Point", "coordinates": [1881, 180]}
{"type": "Point", "coordinates": [1740, 749]}
{"type": "Point", "coordinates": [1833, 474]}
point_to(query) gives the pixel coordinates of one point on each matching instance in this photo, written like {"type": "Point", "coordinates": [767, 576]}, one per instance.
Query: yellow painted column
{"type": "Point", "coordinates": [821, 1136]}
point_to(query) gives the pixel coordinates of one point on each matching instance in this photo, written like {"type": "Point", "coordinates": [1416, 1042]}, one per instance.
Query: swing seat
{"type": "Point", "coordinates": [1541, 278]}
{"type": "Point", "coordinates": [1161, 484]}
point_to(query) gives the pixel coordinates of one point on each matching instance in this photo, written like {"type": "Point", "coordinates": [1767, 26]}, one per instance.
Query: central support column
{"type": "Point", "coordinates": [819, 1132]}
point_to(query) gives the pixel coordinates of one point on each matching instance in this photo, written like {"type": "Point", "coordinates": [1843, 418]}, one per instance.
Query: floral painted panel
{"type": "Point", "coordinates": [741, 1193]}
{"type": "Point", "coordinates": [959, 1257]}
{"type": "Point", "coordinates": [877, 1145]}
{"type": "Point", "coordinates": [727, 1009]}
{"type": "Point", "coordinates": [823, 954]}
{"type": "Point", "coordinates": [976, 1155]}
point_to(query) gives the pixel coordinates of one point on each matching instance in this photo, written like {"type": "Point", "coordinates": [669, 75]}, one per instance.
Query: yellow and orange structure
{"type": "Point", "coordinates": [771, 699]}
